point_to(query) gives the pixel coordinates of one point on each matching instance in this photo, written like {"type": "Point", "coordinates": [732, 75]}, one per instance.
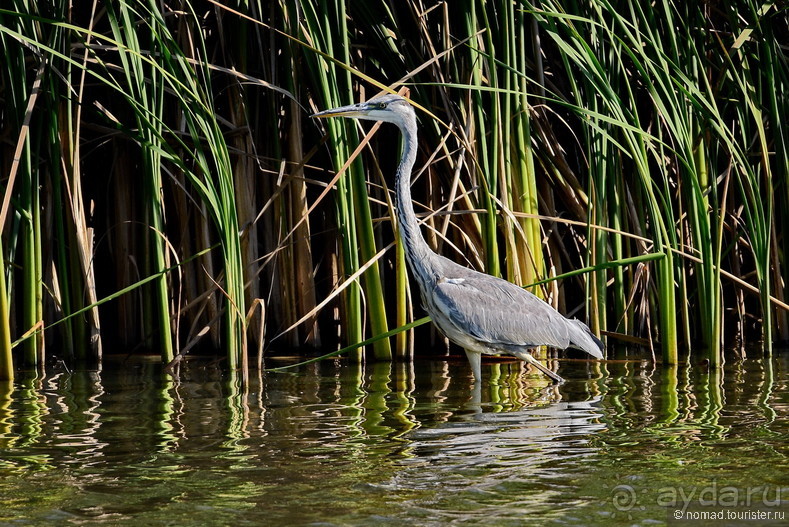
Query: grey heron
{"type": "Point", "coordinates": [481, 313]}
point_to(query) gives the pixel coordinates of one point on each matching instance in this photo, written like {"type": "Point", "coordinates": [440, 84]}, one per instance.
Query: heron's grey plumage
{"type": "Point", "coordinates": [481, 313]}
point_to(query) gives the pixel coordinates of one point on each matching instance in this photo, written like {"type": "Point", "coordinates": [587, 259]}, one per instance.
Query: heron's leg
{"type": "Point", "coordinates": [526, 356]}
{"type": "Point", "coordinates": [475, 359]}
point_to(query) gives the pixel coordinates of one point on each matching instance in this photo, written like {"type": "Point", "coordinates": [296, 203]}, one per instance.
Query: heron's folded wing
{"type": "Point", "coordinates": [498, 312]}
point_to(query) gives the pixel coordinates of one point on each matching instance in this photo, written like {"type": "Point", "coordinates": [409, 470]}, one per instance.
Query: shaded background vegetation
{"type": "Point", "coordinates": [165, 190]}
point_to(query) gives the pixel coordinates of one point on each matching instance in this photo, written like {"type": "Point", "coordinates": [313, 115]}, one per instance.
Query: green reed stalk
{"type": "Point", "coordinates": [514, 154]}
{"type": "Point", "coordinates": [401, 299]}
{"type": "Point", "coordinates": [606, 206]}
{"type": "Point", "coordinates": [320, 31]}
{"type": "Point", "coordinates": [57, 223]}
{"type": "Point", "coordinates": [353, 204]}
{"type": "Point", "coordinates": [26, 216]}
{"type": "Point", "coordinates": [487, 142]}
{"type": "Point", "coordinates": [146, 87]}
{"type": "Point", "coordinates": [80, 273]}
{"type": "Point", "coordinates": [774, 81]}
{"type": "Point", "coordinates": [756, 179]}
{"type": "Point", "coordinates": [526, 194]}
{"type": "Point", "coordinates": [656, 190]}
{"type": "Point", "coordinates": [681, 61]}
{"type": "Point", "coordinates": [245, 186]}
{"type": "Point", "coordinates": [402, 296]}
{"type": "Point", "coordinates": [215, 159]}
{"type": "Point", "coordinates": [605, 210]}
{"type": "Point", "coordinates": [660, 70]}
{"type": "Point", "coordinates": [28, 223]}
{"type": "Point", "coordinates": [496, 112]}
{"type": "Point", "coordinates": [79, 242]}
{"type": "Point", "coordinates": [6, 357]}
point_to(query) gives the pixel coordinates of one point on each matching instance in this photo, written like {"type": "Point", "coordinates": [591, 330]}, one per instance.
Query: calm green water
{"type": "Point", "coordinates": [332, 444]}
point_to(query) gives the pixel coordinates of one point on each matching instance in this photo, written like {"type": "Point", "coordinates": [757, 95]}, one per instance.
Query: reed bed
{"type": "Point", "coordinates": [165, 191]}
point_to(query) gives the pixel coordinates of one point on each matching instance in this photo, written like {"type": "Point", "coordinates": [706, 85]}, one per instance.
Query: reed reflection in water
{"type": "Point", "coordinates": [346, 444]}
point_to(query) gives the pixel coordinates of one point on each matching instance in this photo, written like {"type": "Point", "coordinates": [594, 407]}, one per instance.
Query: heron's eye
{"type": "Point", "coordinates": [382, 106]}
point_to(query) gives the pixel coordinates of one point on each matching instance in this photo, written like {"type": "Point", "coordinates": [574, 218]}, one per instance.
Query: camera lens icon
{"type": "Point", "coordinates": [624, 498]}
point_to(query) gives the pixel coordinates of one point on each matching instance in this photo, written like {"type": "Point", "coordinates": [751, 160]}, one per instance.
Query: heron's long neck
{"type": "Point", "coordinates": [416, 248]}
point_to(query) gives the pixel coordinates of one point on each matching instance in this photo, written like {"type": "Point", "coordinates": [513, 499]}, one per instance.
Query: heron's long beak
{"type": "Point", "coordinates": [353, 110]}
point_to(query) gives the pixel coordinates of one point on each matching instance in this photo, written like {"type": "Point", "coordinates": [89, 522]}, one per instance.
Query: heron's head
{"type": "Point", "coordinates": [390, 108]}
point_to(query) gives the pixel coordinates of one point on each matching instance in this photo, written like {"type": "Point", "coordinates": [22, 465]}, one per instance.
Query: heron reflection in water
{"type": "Point", "coordinates": [481, 313]}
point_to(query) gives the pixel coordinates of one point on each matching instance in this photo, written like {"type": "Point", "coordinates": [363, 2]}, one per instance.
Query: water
{"type": "Point", "coordinates": [333, 444]}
